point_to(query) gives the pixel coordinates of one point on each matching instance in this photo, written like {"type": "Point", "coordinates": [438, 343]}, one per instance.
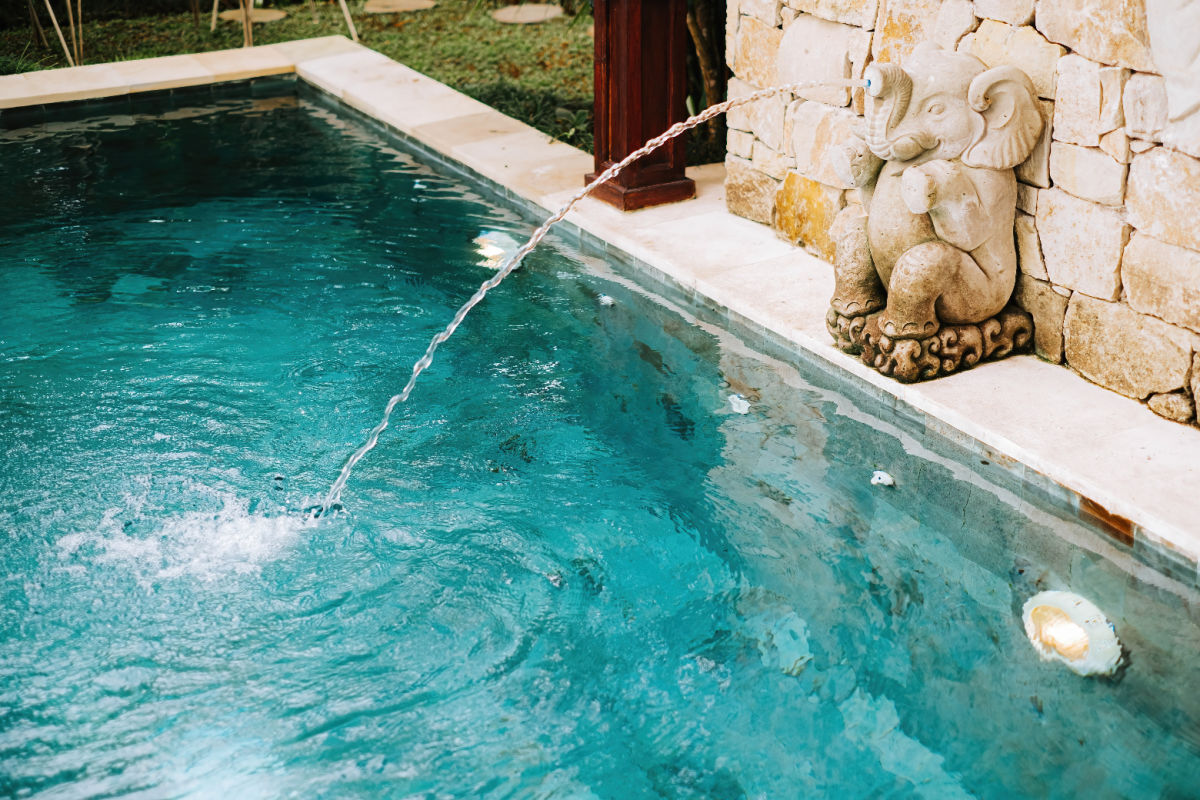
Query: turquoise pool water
{"type": "Point", "coordinates": [571, 568]}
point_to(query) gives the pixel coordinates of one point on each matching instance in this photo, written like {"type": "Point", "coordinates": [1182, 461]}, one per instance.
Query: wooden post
{"type": "Point", "coordinates": [641, 88]}
{"type": "Point", "coordinates": [247, 25]}
{"type": "Point", "coordinates": [349, 20]}
{"type": "Point", "coordinates": [37, 24]}
{"type": "Point", "coordinates": [58, 30]}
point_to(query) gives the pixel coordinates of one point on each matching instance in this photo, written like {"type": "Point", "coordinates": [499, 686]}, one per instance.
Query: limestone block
{"type": "Point", "coordinates": [770, 161]}
{"type": "Point", "coordinates": [860, 13]}
{"type": "Point", "coordinates": [900, 25]}
{"type": "Point", "coordinates": [1088, 104]}
{"type": "Point", "coordinates": [1163, 197]}
{"type": "Point", "coordinates": [763, 118]}
{"type": "Point", "coordinates": [1163, 280]}
{"type": "Point", "coordinates": [757, 50]}
{"type": "Point", "coordinates": [739, 143]}
{"type": "Point", "coordinates": [767, 117]}
{"type": "Point", "coordinates": [1111, 32]}
{"type": "Point", "coordinates": [1140, 146]}
{"type": "Point", "coordinates": [766, 11]}
{"type": "Point", "coordinates": [1081, 243]}
{"type": "Point", "coordinates": [732, 17]}
{"type": "Point", "coordinates": [738, 118]}
{"type": "Point", "coordinates": [1029, 248]}
{"type": "Point", "coordinates": [955, 19]}
{"type": "Point", "coordinates": [1027, 198]}
{"type": "Point", "coordinates": [1014, 12]}
{"type": "Point", "coordinates": [1175, 406]}
{"type": "Point", "coordinates": [787, 16]}
{"type": "Point", "coordinates": [748, 192]}
{"type": "Point", "coordinates": [1116, 347]}
{"type": "Point", "coordinates": [812, 131]}
{"type": "Point", "coordinates": [1112, 86]}
{"type": "Point", "coordinates": [995, 43]}
{"type": "Point", "coordinates": [804, 211]}
{"type": "Point", "coordinates": [1077, 111]}
{"type": "Point", "coordinates": [1035, 170]}
{"type": "Point", "coordinates": [1195, 382]}
{"type": "Point", "coordinates": [815, 49]}
{"type": "Point", "coordinates": [1088, 173]}
{"type": "Point", "coordinates": [1049, 309]}
{"type": "Point", "coordinates": [1116, 144]}
{"type": "Point", "coordinates": [1145, 106]}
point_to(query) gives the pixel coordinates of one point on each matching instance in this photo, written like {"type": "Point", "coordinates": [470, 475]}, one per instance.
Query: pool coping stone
{"type": "Point", "coordinates": [1133, 474]}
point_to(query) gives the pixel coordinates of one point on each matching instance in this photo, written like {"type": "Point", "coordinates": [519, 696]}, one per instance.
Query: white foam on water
{"type": "Point", "coordinates": [205, 545]}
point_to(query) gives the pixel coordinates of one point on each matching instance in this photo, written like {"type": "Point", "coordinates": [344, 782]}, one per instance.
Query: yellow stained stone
{"type": "Point", "coordinates": [804, 211]}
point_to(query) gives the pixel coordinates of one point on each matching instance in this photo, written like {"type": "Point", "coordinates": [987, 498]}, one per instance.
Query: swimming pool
{"type": "Point", "coordinates": [572, 568]}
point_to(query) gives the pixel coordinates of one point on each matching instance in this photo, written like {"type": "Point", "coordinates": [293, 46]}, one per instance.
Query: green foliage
{"type": "Point", "coordinates": [540, 74]}
{"type": "Point", "coordinates": [27, 60]}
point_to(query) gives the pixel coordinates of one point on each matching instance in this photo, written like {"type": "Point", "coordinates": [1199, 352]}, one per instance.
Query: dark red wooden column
{"type": "Point", "coordinates": [641, 87]}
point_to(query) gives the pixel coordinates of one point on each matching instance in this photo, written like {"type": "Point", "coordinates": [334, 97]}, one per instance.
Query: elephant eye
{"type": "Point", "coordinates": [935, 108]}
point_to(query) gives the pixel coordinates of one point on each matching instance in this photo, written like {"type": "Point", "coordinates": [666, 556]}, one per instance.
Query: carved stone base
{"type": "Point", "coordinates": [953, 348]}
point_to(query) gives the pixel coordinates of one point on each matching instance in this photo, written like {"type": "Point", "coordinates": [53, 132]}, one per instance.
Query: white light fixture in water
{"type": "Point", "coordinates": [1068, 628]}
{"type": "Point", "coordinates": [495, 247]}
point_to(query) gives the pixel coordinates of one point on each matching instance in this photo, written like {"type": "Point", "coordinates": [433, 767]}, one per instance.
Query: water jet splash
{"type": "Point", "coordinates": [331, 501]}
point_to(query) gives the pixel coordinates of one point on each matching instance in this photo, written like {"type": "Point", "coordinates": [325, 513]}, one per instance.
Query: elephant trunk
{"type": "Point", "coordinates": [888, 91]}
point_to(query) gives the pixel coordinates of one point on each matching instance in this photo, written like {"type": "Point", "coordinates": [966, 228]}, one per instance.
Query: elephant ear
{"type": "Point", "coordinates": [1005, 98]}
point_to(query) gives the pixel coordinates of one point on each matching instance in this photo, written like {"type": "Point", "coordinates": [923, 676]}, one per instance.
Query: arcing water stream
{"type": "Point", "coordinates": [335, 491]}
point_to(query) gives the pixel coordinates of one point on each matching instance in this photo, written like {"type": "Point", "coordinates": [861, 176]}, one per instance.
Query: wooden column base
{"type": "Point", "coordinates": [632, 198]}
{"type": "Point", "coordinates": [640, 90]}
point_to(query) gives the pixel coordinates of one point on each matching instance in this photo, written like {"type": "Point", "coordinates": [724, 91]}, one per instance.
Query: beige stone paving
{"type": "Point", "coordinates": [1021, 411]}
{"type": "Point", "coordinates": [169, 72]}
{"type": "Point", "coordinates": [246, 62]}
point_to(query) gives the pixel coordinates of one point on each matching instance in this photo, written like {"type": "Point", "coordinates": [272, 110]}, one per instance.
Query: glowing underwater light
{"type": "Point", "coordinates": [1065, 627]}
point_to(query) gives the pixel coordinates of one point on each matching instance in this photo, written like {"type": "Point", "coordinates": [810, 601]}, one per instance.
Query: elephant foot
{"type": "Point", "coordinates": [908, 328]}
{"type": "Point", "coordinates": [849, 304]}
{"type": "Point", "coordinates": [950, 349]}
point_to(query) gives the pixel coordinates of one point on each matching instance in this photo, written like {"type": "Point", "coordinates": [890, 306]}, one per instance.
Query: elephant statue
{"type": "Point", "coordinates": [925, 264]}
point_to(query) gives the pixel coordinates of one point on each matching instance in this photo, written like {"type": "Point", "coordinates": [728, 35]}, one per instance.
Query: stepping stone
{"type": "Point", "coordinates": [527, 13]}
{"type": "Point", "coordinates": [397, 6]}
{"type": "Point", "coordinates": [256, 15]}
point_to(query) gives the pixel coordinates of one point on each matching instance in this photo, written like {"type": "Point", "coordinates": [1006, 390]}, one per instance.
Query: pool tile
{"type": "Point", "coordinates": [244, 62]}
{"type": "Point", "coordinates": [168, 72]}
{"type": "Point", "coordinates": [74, 83]}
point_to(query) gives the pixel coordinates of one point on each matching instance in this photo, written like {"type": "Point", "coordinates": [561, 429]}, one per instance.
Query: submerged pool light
{"type": "Point", "coordinates": [495, 247]}
{"type": "Point", "coordinates": [1065, 627]}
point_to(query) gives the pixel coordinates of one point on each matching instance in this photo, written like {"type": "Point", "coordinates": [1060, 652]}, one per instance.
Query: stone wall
{"type": "Point", "coordinates": [1108, 223]}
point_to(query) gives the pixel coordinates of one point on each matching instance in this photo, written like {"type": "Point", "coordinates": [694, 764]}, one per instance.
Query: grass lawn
{"type": "Point", "coordinates": [541, 74]}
